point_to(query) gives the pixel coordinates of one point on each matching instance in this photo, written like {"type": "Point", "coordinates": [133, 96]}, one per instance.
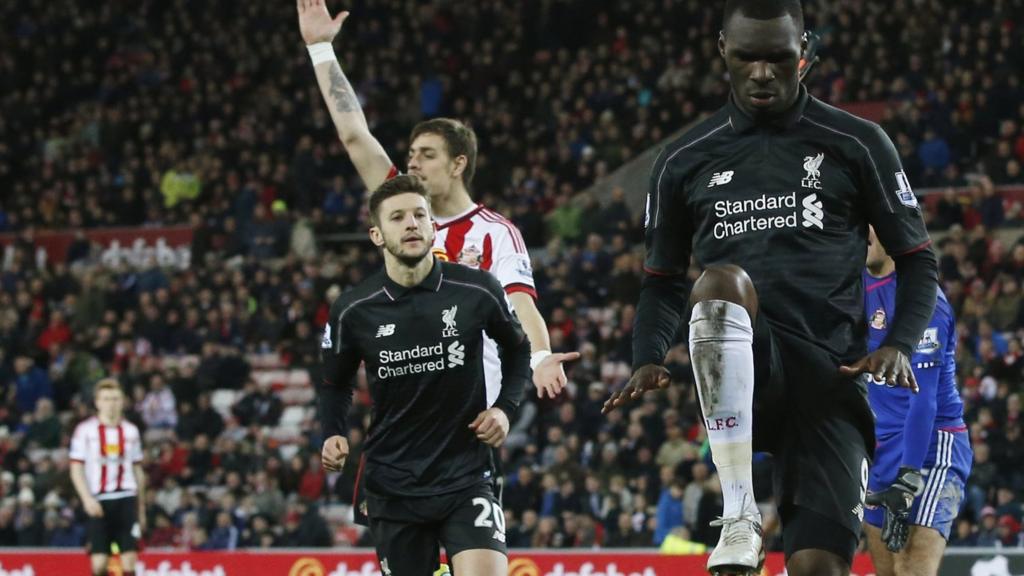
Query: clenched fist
{"type": "Point", "coordinates": [491, 426]}
{"type": "Point", "coordinates": [334, 453]}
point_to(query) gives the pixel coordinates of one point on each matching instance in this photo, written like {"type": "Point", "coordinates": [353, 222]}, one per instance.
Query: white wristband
{"type": "Point", "coordinates": [537, 357]}
{"type": "Point", "coordinates": [321, 52]}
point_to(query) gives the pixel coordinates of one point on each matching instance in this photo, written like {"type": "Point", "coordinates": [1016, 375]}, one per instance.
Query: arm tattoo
{"type": "Point", "coordinates": [344, 96]}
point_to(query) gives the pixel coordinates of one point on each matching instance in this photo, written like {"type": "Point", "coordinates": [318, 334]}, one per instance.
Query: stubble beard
{"type": "Point", "coordinates": [407, 260]}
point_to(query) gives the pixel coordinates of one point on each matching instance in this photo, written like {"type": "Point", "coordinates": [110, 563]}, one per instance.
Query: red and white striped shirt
{"type": "Point", "coordinates": [481, 238]}
{"type": "Point", "coordinates": [109, 454]}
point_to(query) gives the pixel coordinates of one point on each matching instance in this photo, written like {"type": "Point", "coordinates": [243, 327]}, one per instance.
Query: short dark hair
{"type": "Point", "coordinates": [459, 138]}
{"type": "Point", "coordinates": [404, 184]}
{"type": "Point", "coordinates": [764, 10]}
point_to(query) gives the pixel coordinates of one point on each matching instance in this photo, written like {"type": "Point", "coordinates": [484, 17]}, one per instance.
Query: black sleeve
{"type": "Point", "coordinates": [513, 348]}
{"type": "Point", "coordinates": [891, 204]}
{"type": "Point", "coordinates": [915, 299]}
{"type": "Point", "coordinates": [894, 212]}
{"type": "Point", "coordinates": [658, 317]}
{"type": "Point", "coordinates": [668, 239]}
{"type": "Point", "coordinates": [340, 360]}
{"type": "Point", "coordinates": [668, 234]}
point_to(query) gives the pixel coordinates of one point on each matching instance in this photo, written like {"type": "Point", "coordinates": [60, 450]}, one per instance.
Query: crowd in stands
{"type": "Point", "coordinates": [208, 114]}
{"type": "Point", "coordinates": [175, 108]}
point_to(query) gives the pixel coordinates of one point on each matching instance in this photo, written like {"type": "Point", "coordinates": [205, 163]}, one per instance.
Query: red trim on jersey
{"type": "Point", "coordinates": [485, 259]}
{"type": "Point", "coordinates": [955, 429]}
{"type": "Point", "coordinates": [654, 272]}
{"type": "Point", "coordinates": [103, 457]}
{"type": "Point", "coordinates": [456, 238]}
{"type": "Point", "coordinates": [355, 489]}
{"type": "Point", "coordinates": [120, 452]}
{"type": "Point", "coordinates": [917, 248]}
{"type": "Point", "coordinates": [391, 173]}
{"type": "Point", "coordinates": [512, 288]}
{"type": "Point", "coordinates": [76, 460]}
{"type": "Point", "coordinates": [517, 239]}
{"type": "Point", "coordinates": [460, 219]}
{"type": "Point", "coordinates": [879, 284]}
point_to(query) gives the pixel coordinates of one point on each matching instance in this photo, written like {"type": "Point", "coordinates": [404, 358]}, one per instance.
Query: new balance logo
{"type": "Point", "coordinates": [719, 178]}
{"type": "Point", "coordinates": [813, 212]}
{"type": "Point", "coordinates": [385, 330]}
{"type": "Point", "coordinates": [858, 511]}
{"type": "Point", "coordinates": [456, 354]}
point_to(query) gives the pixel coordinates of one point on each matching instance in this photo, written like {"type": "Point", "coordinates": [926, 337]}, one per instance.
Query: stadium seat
{"type": "Point", "coordinates": [222, 400]}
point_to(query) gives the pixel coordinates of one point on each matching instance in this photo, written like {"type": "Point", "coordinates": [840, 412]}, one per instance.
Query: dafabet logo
{"type": "Point", "coordinates": [523, 567]}
{"type": "Point", "coordinates": [307, 567]}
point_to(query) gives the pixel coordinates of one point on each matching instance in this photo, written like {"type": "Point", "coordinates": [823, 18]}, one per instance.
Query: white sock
{"type": "Point", "coordinates": [722, 355]}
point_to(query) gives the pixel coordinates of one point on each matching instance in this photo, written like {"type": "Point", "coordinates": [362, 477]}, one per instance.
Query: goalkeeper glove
{"type": "Point", "coordinates": [896, 500]}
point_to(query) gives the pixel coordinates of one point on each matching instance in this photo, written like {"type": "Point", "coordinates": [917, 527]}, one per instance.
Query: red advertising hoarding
{"type": "Point", "coordinates": [364, 563]}
{"type": "Point", "coordinates": [133, 247]}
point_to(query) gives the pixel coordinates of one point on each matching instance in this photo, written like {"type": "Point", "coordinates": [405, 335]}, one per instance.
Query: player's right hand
{"type": "Point", "coordinates": [315, 22]}
{"type": "Point", "coordinates": [334, 453]}
{"type": "Point", "coordinates": [93, 508]}
{"type": "Point", "coordinates": [649, 377]}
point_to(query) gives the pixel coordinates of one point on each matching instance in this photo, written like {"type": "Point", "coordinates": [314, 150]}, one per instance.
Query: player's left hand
{"type": "Point", "coordinates": [315, 22]}
{"type": "Point", "coordinates": [549, 377]}
{"type": "Point", "coordinates": [334, 453]}
{"type": "Point", "coordinates": [896, 500]}
{"type": "Point", "coordinates": [491, 426]}
{"type": "Point", "coordinates": [647, 377]}
{"type": "Point", "coordinates": [887, 364]}
{"type": "Point", "coordinates": [142, 523]}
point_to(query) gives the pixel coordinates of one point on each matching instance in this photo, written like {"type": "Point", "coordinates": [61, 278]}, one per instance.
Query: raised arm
{"type": "Point", "coordinates": [318, 30]}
